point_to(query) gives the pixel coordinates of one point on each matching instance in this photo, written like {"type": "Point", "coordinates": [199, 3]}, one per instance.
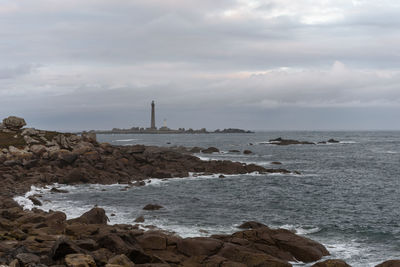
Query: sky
{"type": "Point", "coordinates": [263, 65]}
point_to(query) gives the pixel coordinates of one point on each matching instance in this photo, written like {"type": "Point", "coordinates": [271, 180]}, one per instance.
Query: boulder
{"type": "Point", "coordinates": [93, 216]}
{"type": "Point", "coordinates": [62, 247]}
{"type": "Point", "coordinates": [28, 259]}
{"type": "Point", "coordinates": [210, 150]}
{"type": "Point", "coordinates": [77, 175]}
{"type": "Point", "coordinates": [247, 152]}
{"type": "Point", "coordinates": [389, 263]}
{"type": "Point", "coordinates": [14, 123]}
{"type": "Point", "coordinates": [121, 260]}
{"type": "Point", "coordinates": [152, 241]}
{"type": "Point", "coordinates": [80, 260]}
{"type": "Point", "coordinates": [331, 263]}
{"type": "Point", "coordinates": [152, 207]}
{"type": "Point", "coordinates": [37, 150]}
{"type": "Point", "coordinates": [139, 219]}
{"type": "Point", "coordinates": [35, 201]}
{"type": "Point", "coordinates": [199, 246]}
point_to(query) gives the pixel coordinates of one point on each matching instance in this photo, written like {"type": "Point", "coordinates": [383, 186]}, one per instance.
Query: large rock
{"type": "Point", "coordinates": [62, 247]}
{"type": "Point", "coordinates": [93, 216]}
{"type": "Point", "coordinates": [14, 123]}
{"type": "Point", "coordinates": [80, 260]}
{"type": "Point", "coordinates": [120, 260]}
{"type": "Point", "coordinates": [153, 241]}
{"type": "Point", "coordinates": [331, 263]}
{"type": "Point", "coordinates": [199, 246]}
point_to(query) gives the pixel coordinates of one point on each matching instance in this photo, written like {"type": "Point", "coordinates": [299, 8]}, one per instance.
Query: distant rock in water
{"type": "Point", "coordinates": [232, 130]}
{"type": "Point", "coordinates": [247, 152]}
{"type": "Point", "coordinates": [152, 207]}
{"type": "Point", "coordinates": [210, 150]}
{"type": "Point", "coordinates": [284, 142]}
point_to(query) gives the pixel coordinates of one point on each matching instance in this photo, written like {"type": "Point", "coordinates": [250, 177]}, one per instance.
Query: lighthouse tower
{"type": "Point", "coordinates": [153, 117]}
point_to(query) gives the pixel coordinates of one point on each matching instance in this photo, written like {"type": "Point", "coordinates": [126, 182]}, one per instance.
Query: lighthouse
{"type": "Point", "coordinates": [153, 117]}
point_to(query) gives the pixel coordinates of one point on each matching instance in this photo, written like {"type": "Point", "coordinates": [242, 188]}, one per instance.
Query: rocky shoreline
{"type": "Point", "coordinates": [38, 238]}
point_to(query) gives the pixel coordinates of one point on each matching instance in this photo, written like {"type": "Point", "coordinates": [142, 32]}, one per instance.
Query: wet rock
{"type": "Point", "coordinates": [152, 207]}
{"type": "Point", "coordinates": [210, 150]}
{"type": "Point", "coordinates": [94, 216]}
{"type": "Point", "coordinates": [80, 260]}
{"type": "Point", "coordinates": [285, 142]}
{"type": "Point", "coordinates": [247, 152]}
{"type": "Point", "coordinates": [331, 263]}
{"type": "Point", "coordinates": [56, 190]}
{"type": "Point", "coordinates": [389, 263]}
{"type": "Point", "coordinates": [221, 176]}
{"type": "Point", "coordinates": [14, 123]}
{"type": "Point", "coordinates": [251, 225]}
{"type": "Point", "coordinates": [332, 141]}
{"type": "Point", "coordinates": [139, 219]}
{"type": "Point", "coordinates": [35, 201]}
{"type": "Point", "coordinates": [276, 162]}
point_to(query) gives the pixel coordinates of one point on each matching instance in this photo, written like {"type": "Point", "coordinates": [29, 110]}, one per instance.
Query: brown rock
{"type": "Point", "coordinates": [121, 260]}
{"type": "Point", "coordinates": [35, 201]}
{"type": "Point", "coordinates": [246, 152]}
{"type": "Point", "coordinates": [389, 263]}
{"type": "Point", "coordinates": [62, 247]}
{"type": "Point", "coordinates": [139, 219]}
{"type": "Point", "coordinates": [28, 259]}
{"type": "Point", "coordinates": [77, 175]}
{"type": "Point", "coordinates": [199, 246]}
{"type": "Point", "coordinates": [331, 263]}
{"type": "Point", "coordinates": [80, 260]}
{"type": "Point", "coordinates": [152, 241]}
{"type": "Point", "coordinates": [251, 225]}
{"type": "Point", "coordinates": [93, 216]}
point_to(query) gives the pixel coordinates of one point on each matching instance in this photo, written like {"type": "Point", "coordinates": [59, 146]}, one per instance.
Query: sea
{"type": "Point", "coordinates": [347, 196]}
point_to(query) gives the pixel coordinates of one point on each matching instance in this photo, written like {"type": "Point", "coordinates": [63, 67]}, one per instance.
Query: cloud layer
{"type": "Point", "coordinates": [239, 57]}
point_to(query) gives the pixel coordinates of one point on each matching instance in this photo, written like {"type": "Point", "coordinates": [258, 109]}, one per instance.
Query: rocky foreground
{"type": "Point", "coordinates": [37, 238]}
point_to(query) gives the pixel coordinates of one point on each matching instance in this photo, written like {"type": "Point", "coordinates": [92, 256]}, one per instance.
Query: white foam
{"type": "Point", "coordinates": [300, 229]}
{"type": "Point", "coordinates": [125, 140]}
{"type": "Point", "coordinates": [348, 142]}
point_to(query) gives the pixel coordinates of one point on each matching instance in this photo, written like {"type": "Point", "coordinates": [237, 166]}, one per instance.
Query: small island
{"type": "Point", "coordinates": [165, 130]}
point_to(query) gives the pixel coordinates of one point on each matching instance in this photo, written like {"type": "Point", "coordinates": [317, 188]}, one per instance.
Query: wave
{"type": "Point", "coordinates": [301, 230]}
{"type": "Point", "coordinates": [125, 140]}
{"type": "Point", "coordinates": [348, 142]}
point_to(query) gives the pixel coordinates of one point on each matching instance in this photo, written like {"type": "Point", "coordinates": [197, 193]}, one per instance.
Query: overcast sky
{"type": "Point", "coordinates": [272, 64]}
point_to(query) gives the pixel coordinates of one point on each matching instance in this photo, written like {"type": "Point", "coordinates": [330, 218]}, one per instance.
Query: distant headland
{"type": "Point", "coordinates": [165, 130]}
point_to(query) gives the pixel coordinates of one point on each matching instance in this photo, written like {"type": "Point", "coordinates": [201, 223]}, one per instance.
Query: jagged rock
{"type": "Point", "coordinates": [80, 260]}
{"type": "Point", "coordinates": [14, 123]}
{"type": "Point", "coordinates": [94, 216]}
{"type": "Point", "coordinates": [35, 201]}
{"type": "Point", "coordinates": [29, 140]}
{"type": "Point", "coordinates": [89, 137]}
{"type": "Point", "coordinates": [331, 263]}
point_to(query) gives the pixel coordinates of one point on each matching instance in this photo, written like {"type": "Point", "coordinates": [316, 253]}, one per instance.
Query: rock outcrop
{"type": "Point", "coordinates": [13, 123]}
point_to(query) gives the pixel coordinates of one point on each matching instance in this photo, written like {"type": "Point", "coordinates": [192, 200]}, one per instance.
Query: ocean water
{"type": "Point", "coordinates": [347, 196]}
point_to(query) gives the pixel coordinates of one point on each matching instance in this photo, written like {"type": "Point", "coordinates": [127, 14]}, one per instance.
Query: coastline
{"type": "Point", "coordinates": [41, 233]}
